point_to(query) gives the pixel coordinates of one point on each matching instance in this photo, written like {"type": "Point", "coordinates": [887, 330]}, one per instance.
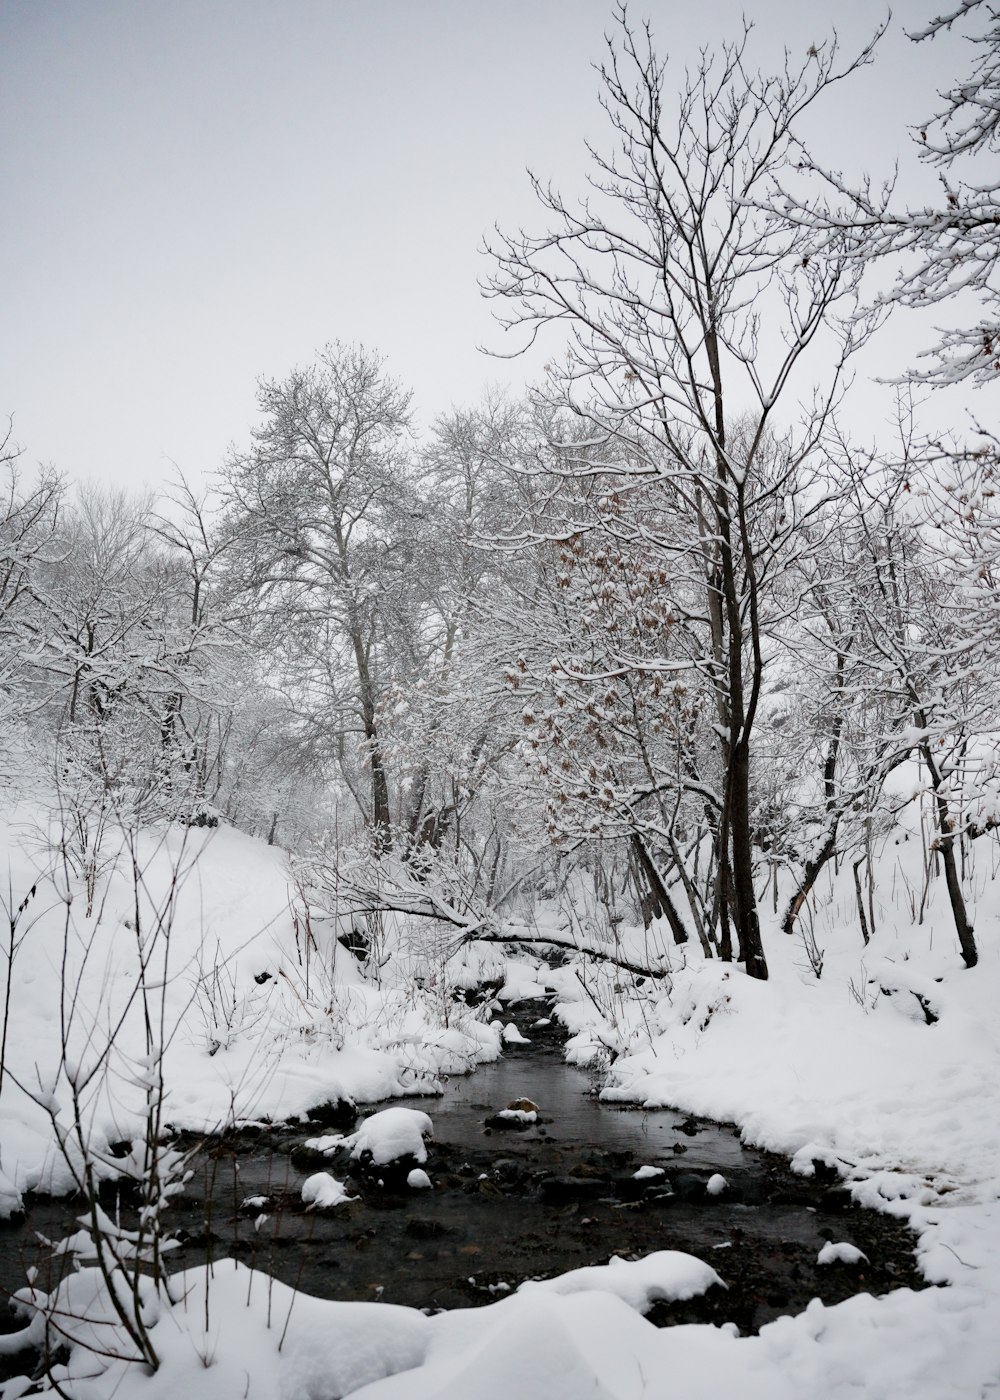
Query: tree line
{"type": "Point", "coordinates": [671, 618]}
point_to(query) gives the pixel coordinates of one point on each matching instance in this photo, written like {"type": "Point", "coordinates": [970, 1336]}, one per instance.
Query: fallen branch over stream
{"type": "Point", "coordinates": [483, 929]}
{"type": "Point", "coordinates": [598, 954]}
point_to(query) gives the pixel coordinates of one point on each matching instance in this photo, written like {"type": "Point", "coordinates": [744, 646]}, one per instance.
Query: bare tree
{"type": "Point", "coordinates": [684, 308]}
{"type": "Point", "coordinates": [908, 620]}
{"type": "Point", "coordinates": [941, 250]}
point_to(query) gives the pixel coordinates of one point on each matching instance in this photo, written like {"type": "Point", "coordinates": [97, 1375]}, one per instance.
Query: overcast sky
{"type": "Point", "coordinates": [201, 192]}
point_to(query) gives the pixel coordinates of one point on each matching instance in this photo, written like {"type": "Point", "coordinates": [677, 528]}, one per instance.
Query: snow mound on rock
{"type": "Point", "coordinates": [324, 1192]}
{"type": "Point", "coordinates": [559, 1348]}
{"type": "Point", "coordinates": [668, 1275]}
{"type": "Point", "coordinates": [841, 1253]}
{"type": "Point", "coordinates": [391, 1134]}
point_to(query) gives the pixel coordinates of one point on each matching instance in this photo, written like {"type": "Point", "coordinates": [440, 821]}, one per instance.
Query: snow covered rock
{"type": "Point", "coordinates": [519, 1113]}
{"type": "Point", "coordinates": [328, 1144]}
{"type": "Point", "coordinates": [715, 1185]}
{"type": "Point", "coordinates": [842, 1253]}
{"type": "Point", "coordinates": [647, 1173]}
{"type": "Point", "coordinates": [666, 1276]}
{"type": "Point", "coordinates": [418, 1180]}
{"type": "Point", "coordinates": [533, 1347]}
{"type": "Point", "coordinates": [391, 1134]}
{"type": "Point", "coordinates": [512, 1036]}
{"type": "Point", "coordinates": [324, 1192]}
{"type": "Point", "coordinates": [525, 982]}
{"type": "Point", "coordinates": [898, 980]}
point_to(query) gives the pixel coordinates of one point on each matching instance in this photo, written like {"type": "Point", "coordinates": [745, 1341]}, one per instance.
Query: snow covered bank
{"type": "Point", "coordinates": [229, 1332]}
{"type": "Point", "coordinates": [845, 1071]}
{"type": "Point", "coordinates": [263, 1015]}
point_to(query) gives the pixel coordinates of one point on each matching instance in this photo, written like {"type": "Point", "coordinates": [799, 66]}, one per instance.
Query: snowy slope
{"type": "Point", "coordinates": [258, 1020]}
{"type": "Point", "coordinates": [843, 1070]}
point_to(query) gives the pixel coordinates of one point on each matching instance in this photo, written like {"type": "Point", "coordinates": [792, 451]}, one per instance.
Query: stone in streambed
{"type": "Point", "coordinates": [519, 1113]}
{"type": "Point", "coordinates": [688, 1187]}
{"type": "Point", "coordinates": [563, 1190]}
{"type": "Point", "coordinates": [340, 1114]}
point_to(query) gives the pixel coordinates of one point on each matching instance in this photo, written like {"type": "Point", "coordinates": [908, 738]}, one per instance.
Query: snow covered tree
{"type": "Point", "coordinates": [224, 723]}
{"type": "Point", "coordinates": [945, 251]}
{"type": "Point", "coordinates": [687, 311]}
{"type": "Point", "coordinates": [29, 513]}
{"type": "Point", "coordinates": [127, 676]}
{"type": "Point", "coordinates": [311, 507]}
{"type": "Point", "coordinates": [908, 616]}
{"type": "Point", "coordinates": [449, 729]}
{"type": "Point", "coordinates": [358, 558]}
{"type": "Point", "coordinates": [610, 696]}
{"type": "Point", "coordinates": [831, 734]}
{"type": "Point", "coordinates": [943, 254]}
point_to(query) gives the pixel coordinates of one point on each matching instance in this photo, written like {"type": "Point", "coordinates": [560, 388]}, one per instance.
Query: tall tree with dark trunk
{"type": "Point", "coordinates": [687, 310]}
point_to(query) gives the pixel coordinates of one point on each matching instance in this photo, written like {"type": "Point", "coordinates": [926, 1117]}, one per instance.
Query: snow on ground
{"type": "Point", "coordinates": [842, 1070]}
{"type": "Point", "coordinates": [263, 1020]}
{"type": "Point", "coordinates": [662, 1276]}
{"type": "Point", "coordinates": [252, 1336]}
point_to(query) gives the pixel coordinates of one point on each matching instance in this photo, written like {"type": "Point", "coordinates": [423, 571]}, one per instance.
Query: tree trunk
{"type": "Point", "coordinates": [751, 948]}
{"type": "Point", "coordinates": [658, 890]}
{"type": "Point", "coordinates": [946, 846]}
{"type": "Point", "coordinates": [810, 875]}
{"type": "Point", "coordinates": [740, 712]}
{"type": "Point", "coordinates": [381, 815]}
{"type": "Point", "coordinates": [865, 934]}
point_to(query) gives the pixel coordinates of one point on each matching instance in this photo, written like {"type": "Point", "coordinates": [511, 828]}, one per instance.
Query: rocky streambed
{"type": "Point", "coordinates": [527, 1195]}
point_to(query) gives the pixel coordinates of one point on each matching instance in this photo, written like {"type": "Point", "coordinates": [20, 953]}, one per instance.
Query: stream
{"type": "Point", "coordinates": [515, 1203]}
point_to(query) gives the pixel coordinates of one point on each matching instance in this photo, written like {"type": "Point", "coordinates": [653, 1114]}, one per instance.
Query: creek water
{"type": "Point", "coordinates": [512, 1204]}
{"type": "Point", "coordinates": [572, 1115]}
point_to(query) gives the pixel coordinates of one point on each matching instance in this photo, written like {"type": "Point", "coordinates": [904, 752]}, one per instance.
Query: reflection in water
{"type": "Point", "coordinates": [564, 1094]}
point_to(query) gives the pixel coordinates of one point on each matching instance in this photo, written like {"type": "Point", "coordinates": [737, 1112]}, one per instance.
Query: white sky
{"type": "Point", "coordinates": [201, 192]}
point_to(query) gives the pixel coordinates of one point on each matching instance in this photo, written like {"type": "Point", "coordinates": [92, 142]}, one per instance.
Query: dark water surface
{"type": "Point", "coordinates": [508, 1205]}
{"type": "Point", "coordinates": [575, 1116]}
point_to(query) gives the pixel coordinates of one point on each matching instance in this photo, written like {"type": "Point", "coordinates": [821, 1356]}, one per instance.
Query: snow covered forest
{"type": "Point", "coordinates": [668, 691]}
